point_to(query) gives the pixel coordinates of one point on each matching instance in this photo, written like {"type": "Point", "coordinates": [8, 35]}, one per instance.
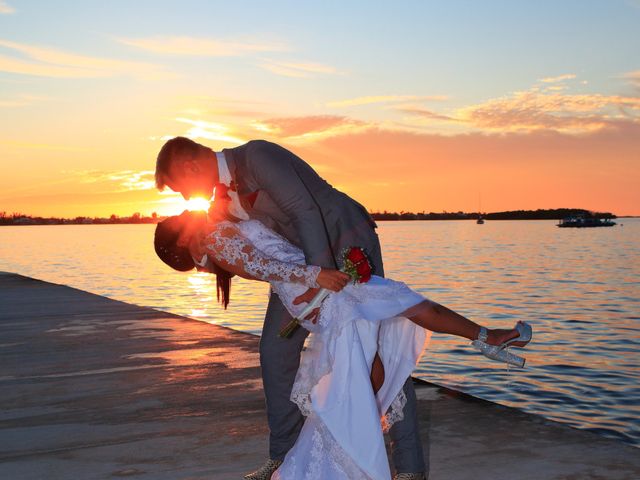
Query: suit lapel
{"type": "Point", "coordinates": [243, 180]}
{"type": "Point", "coordinates": [264, 208]}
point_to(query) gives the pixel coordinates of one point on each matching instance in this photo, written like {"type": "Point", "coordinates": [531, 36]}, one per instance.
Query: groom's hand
{"type": "Point", "coordinates": [333, 280]}
{"type": "Point", "coordinates": [306, 297]}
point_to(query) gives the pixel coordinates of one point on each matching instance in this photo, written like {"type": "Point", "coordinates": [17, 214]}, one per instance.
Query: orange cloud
{"type": "Point", "coordinates": [354, 102]}
{"type": "Point", "coordinates": [633, 78]}
{"type": "Point", "coordinates": [122, 180]}
{"type": "Point", "coordinates": [50, 62]}
{"type": "Point", "coordinates": [298, 126]}
{"type": "Point", "coordinates": [549, 110]}
{"type": "Point", "coordinates": [204, 47]}
{"type": "Point", "coordinates": [424, 113]}
{"type": "Point", "coordinates": [559, 78]}
{"type": "Point", "coordinates": [297, 69]}
{"type": "Point", "coordinates": [542, 107]}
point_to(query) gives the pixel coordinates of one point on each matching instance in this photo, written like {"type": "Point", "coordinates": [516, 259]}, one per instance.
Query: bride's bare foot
{"type": "Point", "coordinates": [498, 336]}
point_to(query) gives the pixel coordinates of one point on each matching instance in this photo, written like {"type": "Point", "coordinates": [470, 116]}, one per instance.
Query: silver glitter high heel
{"type": "Point", "coordinates": [264, 472]}
{"type": "Point", "coordinates": [409, 476]}
{"type": "Point", "coordinates": [500, 352]}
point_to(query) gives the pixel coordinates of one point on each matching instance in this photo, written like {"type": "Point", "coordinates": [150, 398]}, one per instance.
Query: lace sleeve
{"type": "Point", "coordinates": [232, 250]}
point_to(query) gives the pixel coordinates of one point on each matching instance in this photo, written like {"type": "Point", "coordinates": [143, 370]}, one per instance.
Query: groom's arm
{"type": "Point", "coordinates": [272, 167]}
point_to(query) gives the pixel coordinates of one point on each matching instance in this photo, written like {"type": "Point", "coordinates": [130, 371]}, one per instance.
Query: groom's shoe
{"type": "Point", "coordinates": [409, 476]}
{"type": "Point", "coordinates": [264, 472]}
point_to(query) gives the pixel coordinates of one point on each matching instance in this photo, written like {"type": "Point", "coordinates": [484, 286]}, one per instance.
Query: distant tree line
{"type": "Point", "coordinates": [540, 214]}
{"type": "Point", "coordinates": [551, 214]}
{"type": "Point", "coordinates": [21, 219]}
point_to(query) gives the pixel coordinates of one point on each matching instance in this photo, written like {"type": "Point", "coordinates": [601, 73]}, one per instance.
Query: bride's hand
{"type": "Point", "coordinates": [333, 280]}
{"type": "Point", "coordinates": [306, 297]}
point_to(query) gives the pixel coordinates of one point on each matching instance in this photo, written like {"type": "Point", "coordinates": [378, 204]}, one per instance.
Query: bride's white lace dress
{"type": "Point", "coordinates": [342, 437]}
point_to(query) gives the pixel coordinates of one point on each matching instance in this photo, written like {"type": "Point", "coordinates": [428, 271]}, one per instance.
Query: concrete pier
{"type": "Point", "coordinates": [92, 388]}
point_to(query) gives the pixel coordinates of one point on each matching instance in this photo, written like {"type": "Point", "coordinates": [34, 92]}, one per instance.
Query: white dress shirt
{"type": "Point", "coordinates": [224, 176]}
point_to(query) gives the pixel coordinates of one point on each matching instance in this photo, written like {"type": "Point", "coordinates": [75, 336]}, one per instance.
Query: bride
{"type": "Point", "coordinates": [364, 344]}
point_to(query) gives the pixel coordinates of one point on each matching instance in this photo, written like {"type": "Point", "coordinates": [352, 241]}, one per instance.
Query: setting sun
{"type": "Point", "coordinates": [173, 204]}
{"type": "Point", "coordinates": [197, 203]}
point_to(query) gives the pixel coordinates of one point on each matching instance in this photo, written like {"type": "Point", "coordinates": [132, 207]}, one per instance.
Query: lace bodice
{"type": "Point", "coordinates": [258, 252]}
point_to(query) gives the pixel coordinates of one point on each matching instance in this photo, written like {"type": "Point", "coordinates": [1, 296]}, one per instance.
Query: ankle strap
{"type": "Point", "coordinates": [483, 335]}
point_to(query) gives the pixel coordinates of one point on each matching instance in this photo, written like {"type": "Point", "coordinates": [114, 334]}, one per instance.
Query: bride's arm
{"type": "Point", "coordinates": [236, 254]}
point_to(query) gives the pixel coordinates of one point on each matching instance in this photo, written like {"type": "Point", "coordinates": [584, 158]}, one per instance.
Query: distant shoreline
{"type": "Point", "coordinates": [377, 220]}
{"type": "Point", "coordinates": [550, 214]}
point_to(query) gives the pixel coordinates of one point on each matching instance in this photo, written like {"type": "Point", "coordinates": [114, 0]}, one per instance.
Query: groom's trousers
{"type": "Point", "coordinates": [280, 358]}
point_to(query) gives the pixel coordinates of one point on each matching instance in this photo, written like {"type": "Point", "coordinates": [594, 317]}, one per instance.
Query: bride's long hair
{"type": "Point", "coordinates": [179, 258]}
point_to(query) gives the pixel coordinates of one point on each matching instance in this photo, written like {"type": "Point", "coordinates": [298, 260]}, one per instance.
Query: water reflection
{"type": "Point", "coordinates": [578, 287]}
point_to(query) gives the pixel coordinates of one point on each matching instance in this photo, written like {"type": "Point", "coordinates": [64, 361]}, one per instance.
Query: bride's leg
{"type": "Point", "coordinates": [438, 318]}
{"type": "Point", "coordinates": [377, 373]}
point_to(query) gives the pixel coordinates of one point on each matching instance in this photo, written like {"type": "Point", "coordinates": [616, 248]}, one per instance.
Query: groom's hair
{"type": "Point", "coordinates": [167, 248]}
{"type": "Point", "coordinates": [178, 146]}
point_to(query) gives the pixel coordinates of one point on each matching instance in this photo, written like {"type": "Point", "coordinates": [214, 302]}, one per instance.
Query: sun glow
{"type": "Point", "coordinates": [197, 203]}
{"type": "Point", "coordinates": [174, 204]}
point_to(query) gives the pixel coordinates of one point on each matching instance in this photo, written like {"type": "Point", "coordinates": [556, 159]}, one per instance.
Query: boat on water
{"type": "Point", "coordinates": [585, 222]}
{"type": "Point", "coordinates": [480, 220]}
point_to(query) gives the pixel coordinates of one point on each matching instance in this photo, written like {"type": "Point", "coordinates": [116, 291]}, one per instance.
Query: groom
{"type": "Point", "coordinates": [270, 183]}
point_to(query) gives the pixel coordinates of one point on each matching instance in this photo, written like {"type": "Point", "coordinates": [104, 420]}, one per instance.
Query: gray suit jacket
{"type": "Point", "coordinates": [296, 202]}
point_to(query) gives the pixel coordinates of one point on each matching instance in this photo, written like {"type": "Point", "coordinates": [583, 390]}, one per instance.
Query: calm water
{"type": "Point", "coordinates": [580, 288]}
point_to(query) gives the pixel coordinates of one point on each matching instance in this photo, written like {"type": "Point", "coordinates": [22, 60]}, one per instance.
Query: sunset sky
{"type": "Point", "coordinates": [404, 105]}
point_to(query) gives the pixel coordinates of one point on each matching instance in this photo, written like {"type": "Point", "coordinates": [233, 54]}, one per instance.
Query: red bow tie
{"type": "Point", "coordinates": [222, 189]}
